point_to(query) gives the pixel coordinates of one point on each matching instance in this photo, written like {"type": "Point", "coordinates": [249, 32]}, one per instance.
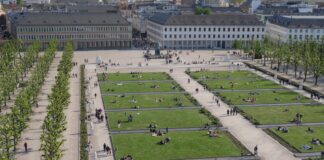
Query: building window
{"type": "Point", "coordinates": [248, 29]}
{"type": "Point", "coordinates": [209, 29]}
{"type": "Point", "coordinates": [258, 29]}
{"type": "Point", "coordinates": [228, 36]}
{"type": "Point", "coordinates": [175, 29]}
{"type": "Point", "coordinates": [238, 29]}
{"type": "Point", "coordinates": [243, 29]}
{"type": "Point", "coordinates": [170, 36]}
{"type": "Point", "coordinates": [195, 29]}
{"type": "Point", "coordinates": [170, 29]}
{"type": "Point", "coordinates": [204, 29]}
{"type": "Point", "coordinates": [233, 29]}
{"type": "Point", "coordinates": [224, 29]}
{"type": "Point", "coordinates": [189, 29]}
{"type": "Point", "coordinates": [257, 36]}
{"type": "Point", "coordinates": [189, 35]}
{"type": "Point", "coordinates": [214, 29]}
{"type": "Point", "coordinates": [252, 29]}
{"type": "Point", "coordinates": [228, 29]}
{"type": "Point", "coordinates": [219, 29]}
{"type": "Point", "coordinates": [165, 36]}
{"type": "Point", "coordinates": [185, 29]}
{"type": "Point", "coordinates": [180, 29]}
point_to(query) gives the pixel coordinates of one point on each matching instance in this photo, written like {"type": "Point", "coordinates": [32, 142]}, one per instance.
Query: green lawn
{"type": "Point", "coordinates": [116, 87]}
{"type": "Point", "coordinates": [298, 136]}
{"type": "Point", "coordinates": [162, 118]}
{"type": "Point", "coordinates": [240, 84]}
{"type": "Point", "coordinates": [135, 76]}
{"type": "Point", "coordinates": [279, 114]}
{"type": "Point", "coordinates": [147, 101]}
{"type": "Point", "coordinates": [183, 145]}
{"type": "Point", "coordinates": [223, 75]}
{"type": "Point", "coordinates": [264, 97]}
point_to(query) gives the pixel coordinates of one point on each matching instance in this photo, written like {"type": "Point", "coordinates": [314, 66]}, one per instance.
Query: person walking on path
{"type": "Point", "coordinates": [108, 149]}
{"type": "Point", "coordinates": [104, 147]}
{"type": "Point", "coordinates": [228, 112]}
{"type": "Point", "coordinates": [188, 80]}
{"type": "Point", "coordinates": [26, 147]}
{"type": "Point", "coordinates": [256, 150]}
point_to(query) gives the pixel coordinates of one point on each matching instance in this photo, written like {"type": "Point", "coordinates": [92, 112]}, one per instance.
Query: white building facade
{"type": "Point", "coordinates": [288, 29]}
{"type": "Point", "coordinates": [204, 32]}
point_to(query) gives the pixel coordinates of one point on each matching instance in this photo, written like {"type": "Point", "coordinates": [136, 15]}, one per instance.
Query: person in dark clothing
{"type": "Point", "coordinates": [26, 148]}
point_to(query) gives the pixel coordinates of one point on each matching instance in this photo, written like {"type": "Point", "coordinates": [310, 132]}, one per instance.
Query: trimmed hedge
{"type": "Point", "coordinates": [83, 116]}
{"type": "Point", "coordinates": [213, 119]}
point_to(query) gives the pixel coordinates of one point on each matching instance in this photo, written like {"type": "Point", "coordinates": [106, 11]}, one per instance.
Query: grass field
{"type": "Point", "coordinates": [298, 136]}
{"type": "Point", "coordinates": [147, 101]}
{"type": "Point", "coordinates": [185, 118]}
{"type": "Point", "coordinates": [264, 97]}
{"type": "Point", "coordinates": [240, 84]}
{"type": "Point", "coordinates": [283, 115]}
{"type": "Point", "coordinates": [134, 76]}
{"type": "Point", "coordinates": [183, 145]}
{"type": "Point", "coordinates": [223, 75]}
{"type": "Point", "coordinates": [116, 87]}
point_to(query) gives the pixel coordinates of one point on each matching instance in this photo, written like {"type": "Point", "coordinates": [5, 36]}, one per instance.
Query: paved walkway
{"type": "Point", "coordinates": [238, 126]}
{"type": "Point", "coordinates": [100, 133]}
{"type": "Point", "coordinates": [72, 133]}
{"type": "Point", "coordinates": [32, 133]}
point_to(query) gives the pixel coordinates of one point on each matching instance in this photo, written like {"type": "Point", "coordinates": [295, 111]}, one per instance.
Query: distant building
{"type": "Point", "coordinates": [203, 31]}
{"type": "Point", "coordinates": [294, 29]}
{"type": "Point", "coordinates": [87, 30]}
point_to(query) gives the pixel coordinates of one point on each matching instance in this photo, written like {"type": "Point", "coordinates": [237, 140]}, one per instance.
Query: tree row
{"type": "Point", "coordinates": [13, 124]}
{"type": "Point", "coordinates": [305, 58]}
{"type": "Point", "coordinates": [55, 121]}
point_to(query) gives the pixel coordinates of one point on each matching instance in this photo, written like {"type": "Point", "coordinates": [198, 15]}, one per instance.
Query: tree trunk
{"type": "Point", "coordinates": [295, 69]}
{"type": "Point", "coordinates": [305, 74]}
{"type": "Point", "coordinates": [316, 79]}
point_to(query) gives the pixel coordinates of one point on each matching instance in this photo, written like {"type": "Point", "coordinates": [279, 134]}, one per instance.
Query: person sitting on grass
{"type": "Point", "coordinates": [212, 133]}
{"type": "Point", "coordinates": [286, 110]}
{"type": "Point", "coordinates": [307, 147]}
{"type": "Point", "coordinates": [283, 129]}
{"type": "Point", "coordinates": [128, 157]}
{"type": "Point", "coordinates": [310, 130]}
{"type": "Point", "coordinates": [316, 141]}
